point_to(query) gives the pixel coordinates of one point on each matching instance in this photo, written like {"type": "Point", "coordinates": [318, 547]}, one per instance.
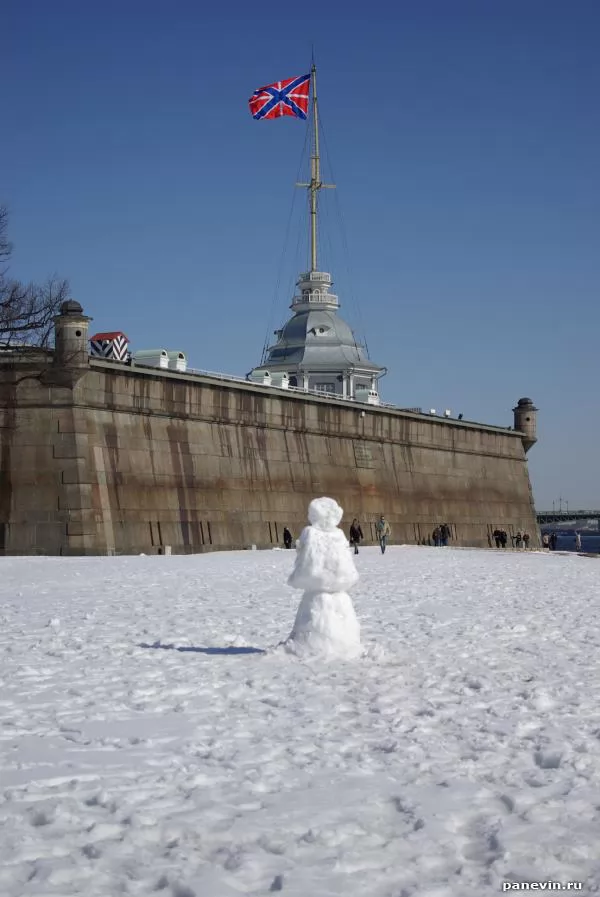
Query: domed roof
{"type": "Point", "coordinates": [71, 307]}
{"type": "Point", "coordinates": [525, 401]}
{"type": "Point", "coordinates": [317, 336]}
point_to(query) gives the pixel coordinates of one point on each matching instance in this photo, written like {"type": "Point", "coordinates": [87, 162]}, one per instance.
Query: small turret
{"type": "Point", "coordinates": [71, 356]}
{"type": "Point", "coordinates": [71, 335]}
{"type": "Point", "coordinates": [525, 414]}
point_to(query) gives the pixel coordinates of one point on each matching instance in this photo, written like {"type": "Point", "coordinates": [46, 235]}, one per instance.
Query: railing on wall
{"type": "Point", "coordinates": [231, 378]}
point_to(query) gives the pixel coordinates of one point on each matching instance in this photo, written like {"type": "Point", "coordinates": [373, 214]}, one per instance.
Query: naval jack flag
{"type": "Point", "coordinates": [288, 97]}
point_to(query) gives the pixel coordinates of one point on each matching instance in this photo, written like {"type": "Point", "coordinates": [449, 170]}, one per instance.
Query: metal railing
{"type": "Point", "coordinates": [231, 378]}
{"type": "Point", "coordinates": [315, 276]}
{"type": "Point", "coordinates": [315, 298]}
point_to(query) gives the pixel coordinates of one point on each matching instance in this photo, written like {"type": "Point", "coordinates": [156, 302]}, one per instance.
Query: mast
{"type": "Point", "coordinates": [315, 173]}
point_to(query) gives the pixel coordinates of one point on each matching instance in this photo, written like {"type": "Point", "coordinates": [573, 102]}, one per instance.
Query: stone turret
{"type": "Point", "coordinates": [71, 356]}
{"type": "Point", "coordinates": [525, 414]}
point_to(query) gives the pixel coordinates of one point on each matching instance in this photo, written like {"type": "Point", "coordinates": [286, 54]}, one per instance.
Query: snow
{"type": "Point", "coordinates": [155, 739]}
{"type": "Point", "coordinates": [325, 513]}
{"type": "Point", "coordinates": [325, 624]}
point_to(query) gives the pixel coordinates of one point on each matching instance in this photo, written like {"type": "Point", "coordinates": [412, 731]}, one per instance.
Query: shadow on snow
{"type": "Point", "coordinates": [231, 650]}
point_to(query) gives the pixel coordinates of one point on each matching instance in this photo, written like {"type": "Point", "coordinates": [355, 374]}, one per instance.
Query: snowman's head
{"type": "Point", "coordinates": [324, 513]}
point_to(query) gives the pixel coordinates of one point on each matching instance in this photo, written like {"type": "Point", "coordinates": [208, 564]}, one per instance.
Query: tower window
{"type": "Point", "coordinates": [78, 333]}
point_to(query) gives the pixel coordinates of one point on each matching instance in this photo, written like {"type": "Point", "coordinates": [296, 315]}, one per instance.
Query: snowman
{"type": "Point", "coordinates": [325, 624]}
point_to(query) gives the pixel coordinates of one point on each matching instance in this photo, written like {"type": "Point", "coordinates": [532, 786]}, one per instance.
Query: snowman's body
{"type": "Point", "coordinates": [325, 622]}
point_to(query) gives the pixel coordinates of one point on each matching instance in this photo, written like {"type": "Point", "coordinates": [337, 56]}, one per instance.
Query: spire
{"type": "Point", "coordinates": [315, 183]}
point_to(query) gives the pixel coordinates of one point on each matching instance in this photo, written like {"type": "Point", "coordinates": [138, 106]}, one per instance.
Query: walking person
{"type": "Point", "coordinates": [503, 538]}
{"type": "Point", "coordinates": [577, 541]}
{"type": "Point", "coordinates": [444, 534]}
{"type": "Point", "coordinates": [287, 537]}
{"type": "Point", "coordinates": [526, 541]}
{"type": "Point", "coordinates": [553, 540]}
{"type": "Point", "coordinates": [518, 539]}
{"type": "Point", "coordinates": [356, 535]}
{"type": "Point", "coordinates": [497, 535]}
{"type": "Point", "coordinates": [545, 541]}
{"type": "Point", "coordinates": [383, 530]}
{"type": "Point", "coordinates": [437, 536]}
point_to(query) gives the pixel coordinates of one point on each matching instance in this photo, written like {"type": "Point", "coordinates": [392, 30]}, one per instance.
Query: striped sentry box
{"type": "Point", "coordinates": [112, 345]}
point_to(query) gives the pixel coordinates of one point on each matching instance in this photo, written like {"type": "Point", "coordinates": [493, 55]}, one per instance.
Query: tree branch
{"type": "Point", "coordinates": [26, 310]}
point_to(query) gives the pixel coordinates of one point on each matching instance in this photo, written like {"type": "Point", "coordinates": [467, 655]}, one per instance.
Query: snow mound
{"type": "Point", "coordinates": [326, 624]}
{"type": "Point", "coordinates": [325, 621]}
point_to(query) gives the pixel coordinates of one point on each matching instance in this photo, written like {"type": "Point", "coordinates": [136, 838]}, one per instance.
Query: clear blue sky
{"type": "Point", "coordinates": [465, 141]}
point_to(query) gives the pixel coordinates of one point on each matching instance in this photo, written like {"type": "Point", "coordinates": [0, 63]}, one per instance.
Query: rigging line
{"type": "Point", "coordinates": [356, 307]}
{"type": "Point", "coordinates": [300, 261]}
{"type": "Point", "coordinates": [355, 304]}
{"type": "Point", "coordinates": [281, 262]}
{"type": "Point", "coordinates": [326, 237]}
{"type": "Point", "coordinates": [298, 257]}
{"type": "Point", "coordinates": [283, 251]}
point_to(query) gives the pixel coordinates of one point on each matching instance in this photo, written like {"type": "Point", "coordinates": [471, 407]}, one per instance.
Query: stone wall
{"type": "Point", "coordinates": [129, 460]}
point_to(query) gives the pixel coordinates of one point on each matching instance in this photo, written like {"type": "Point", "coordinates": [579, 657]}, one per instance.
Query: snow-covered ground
{"type": "Point", "coordinates": [148, 746]}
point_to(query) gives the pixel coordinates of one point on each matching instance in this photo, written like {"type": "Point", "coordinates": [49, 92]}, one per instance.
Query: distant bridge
{"type": "Point", "coordinates": [567, 516]}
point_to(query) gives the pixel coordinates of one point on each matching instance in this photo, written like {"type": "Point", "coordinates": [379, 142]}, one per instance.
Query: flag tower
{"type": "Point", "coordinates": [316, 349]}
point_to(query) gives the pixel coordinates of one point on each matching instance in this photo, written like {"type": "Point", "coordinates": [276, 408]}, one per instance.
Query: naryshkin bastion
{"type": "Point", "coordinates": [105, 452]}
{"type": "Point", "coordinates": [99, 456]}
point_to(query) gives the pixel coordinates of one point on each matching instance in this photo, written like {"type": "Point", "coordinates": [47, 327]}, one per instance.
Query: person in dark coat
{"type": "Point", "coordinates": [287, 537]}
{"type": "Point", "coordinates": [437, 537]}
{"type": "Point", "coordinates": [444, 533]}
{"type": "Point", "coordinates": [356, 535]}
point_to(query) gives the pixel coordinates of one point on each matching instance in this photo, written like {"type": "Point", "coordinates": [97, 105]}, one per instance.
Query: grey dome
{"type": "Point", "coordinates": [316, 336]}
{"type": "Point", "coordinates": [71, 307]}
{"type": "Point", "coordinates": [316, 349]}
{"type": "Point", "coordinates": [524, 401]}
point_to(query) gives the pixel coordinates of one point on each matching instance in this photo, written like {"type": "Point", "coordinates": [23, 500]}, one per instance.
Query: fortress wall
{"type": "Point", "coordinates": [131, 461]}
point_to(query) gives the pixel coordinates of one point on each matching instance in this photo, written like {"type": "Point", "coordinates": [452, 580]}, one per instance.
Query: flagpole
{"type": "Point", "coordinates": [315, 173]}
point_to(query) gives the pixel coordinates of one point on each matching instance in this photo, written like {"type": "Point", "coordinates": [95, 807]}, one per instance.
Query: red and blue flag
{"type": "Point", "coordinates": [289, 97]}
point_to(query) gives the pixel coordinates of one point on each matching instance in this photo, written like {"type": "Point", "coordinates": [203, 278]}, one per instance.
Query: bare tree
{"type": "Point", "coordinates": [5, 246]}
{"type": "Point", "coordinates": [26, 310]}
